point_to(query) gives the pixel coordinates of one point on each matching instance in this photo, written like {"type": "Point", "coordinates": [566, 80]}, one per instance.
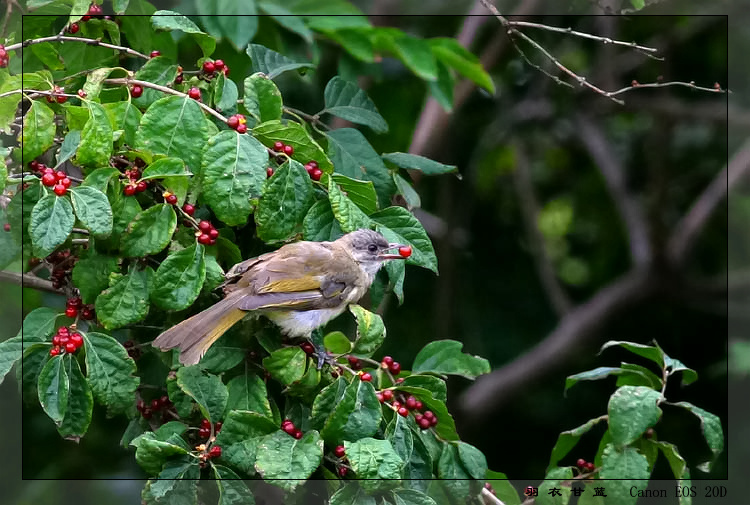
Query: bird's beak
{"type": "Point", "coordinates": [385, 255]}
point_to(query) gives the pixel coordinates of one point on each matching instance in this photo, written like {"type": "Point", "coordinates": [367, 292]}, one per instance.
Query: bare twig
{"type": "Point", "coordinates": [63, 38]}
{"type": "Point", "coordinates": [692, 222]}
{"type": "Point", "coordinates": [490, 498]}
{"type": "Point", "coordinates": [636, 85]}
{"type": "Point", "coordinates": [529, 211]}
{"type": "Point", "coordinates": [603, 155]}
{"type": "Point", "coordinates": [29, 281]}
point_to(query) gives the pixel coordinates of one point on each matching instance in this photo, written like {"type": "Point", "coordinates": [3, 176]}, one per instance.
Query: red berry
{"type": "Point", "coordinates": [63, 331]}
{"type": "Point", "coordinates": [214, 451]}
{"type": "Point", "coordinates": [388, 394]}
{"type": "Point", "coordinates": [219, 64]}
{"type": "Point", "coordinates": [171, 199]}
{"type": "Point", "coordinates": [297, 434]}
{"type": "Point", "coordinates": [34, 165]}
{"type": "Point", "coordinates": [136, 91]}
{"type": "Point", "coordinates": [95, 10]}
{"type": "Point", "coordinates": [288, 150]}
{"type": "Point", "coordinates": [139, 405]}
{"type": "Point", "coordinates": [85, 18]}
{"type": "Point", "coordinates": [56, 340]}
{"type": "Point", "coordinates": [59, 189]}
{"type": "Point", "coordinates": [6, 227]}
{"type": "Point", "coordinates": [395, 368]}
{"type": "Point", "coordinates": [433, 421]}
{"type": "Point", "coordinates": [155, 405]}
{"type": "Point", "coordinates": [178, 79]}
{"type": "Point", "coordinates": [269, 172]}
{"type": "Point", "coordinates": [217, 427]}
{"type": "Point", "coordinates": [71, 312]}
{"type": "Point", "coordinates": [411, 403]}
{"type": "Point", "coordinates": [213, 233]}
{"type": "Point", "coordinates": [590, 467]}
{"type": "Point", "coordinates": [129, 190]}
{"type": "Point", "coordinates": [403, 412]}
{"type": "Point", "coordinates": [379, 396]}
{"type": "Point", "coordinates": [70, 347]}
{"type": "Point", "coordinates": [365, 377]}
{"type": "Point", "coordinates": [189, 209]}
{"type": "Point", "coordinates": [155, 53]}
{"type": "Point", "coordinates": [54, 351]}
{"type": "Point", "coordinates": [141, 186]}
{"type": "Point", "coordinates": [49, 179]}
{"type": "Point", "coordinates": [307, 347]}
{"type": "Point", "coordinates": [65, 182]}
{"type": "Point", "coordinates": [428, 414]}
{"type": "Point", "coordinates": [233, 122]}
{"type": "Point", "coordinates": [205, 423]}
{"type": "Point", "coordinates": [353, 360]}
{"type": "Point", "coordinates": [405, 251]}
{"type": "Point", "coordinates": [81, 93]}
{"type": "Point", "coordinates": [194, 93]}
{"type": "Point", "coordinates": [209, 67]}
{"type": "Point", "coordinates": [387, 361]}
{"type": "Point", "coordinates": [60, 175]}
{"type": "Point", "coordinates": [313, 164]}
{"type": "Point", "coordinates": [74, 28]}
{"type": "Point", "coordinates": [226, 70]}
{"type": "Point", "coordinates": [278, 146]}
{"type": "Point", "coordinates": [62, 99]}
{"type": "Point", "coordinates": [204, 432]}
{"type": "Point", "coordinates": [204, 239]}
{"type": "Point", "coordinates": [164, 400]}
{"type": "Point", "coordinates": [581, 463]}
{"type": "Point", "coordinates": [418, 406]}
{"type": "Point", "coordinates": [339, 451]}
{"type": "Point", "coordinates": [309, 168]}
{"type": "Point", "coordinates": [47, 170]}
{"type": "Point", "coordinates": [316, 174]}
{"type": "Point", "coordinates": [423, 423]}
{"type": "Point", "coordinates": [343, 471]}
{"type": "Point", "coordinates": [241, 128]}
{"type": "Point", "coordinates": [87, 313]}
{"type": "Point", "coordinates": [204, 226]}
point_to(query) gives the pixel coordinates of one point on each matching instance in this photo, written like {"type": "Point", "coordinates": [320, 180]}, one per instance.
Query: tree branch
{"type": "Point", "coordinates": [529, 212]}
{"type": "Point", "coordinates": [572, 332]}
{"type": "Point", "coordinates": [28, 281]}
{"type": "Point", "coordinates": [686, 232]}
{"type": "Point", "coordinates": [63, 38]}
{"type": "Point", "coordinates": [603, 155]}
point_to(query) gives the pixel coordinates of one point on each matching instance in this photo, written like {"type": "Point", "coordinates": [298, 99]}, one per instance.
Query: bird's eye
{"type": "Point", "coordinates": [372, 248]}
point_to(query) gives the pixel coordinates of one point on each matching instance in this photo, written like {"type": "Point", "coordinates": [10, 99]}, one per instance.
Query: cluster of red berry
{"type": "Point", "coordinates": [56, 95]}
{"type": "Point", "coordinates": [58, 181]}
{"type": "Point", "coordinates": [62, 264]}
{"type": "Point", "coordinates": [210, 67]}
{"type": "Point", "coordinates": [288, 427]}
{"type": "Point", "coordinates": [340, 452]}
{"type": "Point", "coordinates": [65, 341]}
{"type": "Point", "coordinates": [313, 171]}
{"type": "Point", "coordinates": [237, 122]}
{"type": "Point", "coordinates": [134, 185]}
{"type": "Point", "coordinates": [4, 57]}
{"type": "Point", "coordinates": [74, 306]}
{"type": "Point", "coordinates": [213, 452]}
{"type": "Point", "coordinates": [205, 430]}
{"type": "Point", "coordinates": [281, 147]}
{"type": "Point", "coordinates": [94, 11]}
{"type": "Point", "coordinates": [149, 409]}
{"type": "Point", "coordinates": [403, 404]}
{"type": "Point", "coordinates": [585, 466]}
{"type": "Point", "coordinates": [393, 366]}
{"type": "Point", "coordinates": [206, 233]}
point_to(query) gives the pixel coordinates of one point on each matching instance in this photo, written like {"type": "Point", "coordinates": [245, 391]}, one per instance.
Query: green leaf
{"type": "Point", "coordinates": [638, 376]}
{"type": "Point", "coordinates": [285, 18]}
{"type": "Point", "coordinates": [625, 467]}
{"type": "Point", "coordinates": [435, 385]}
{"type": "Point", "coordinates": [174, 126]}
{"type": "Point", "coordinates": [632, 410]}
{"type": "Point", "coordinates": [51, 222]}
{"type": "Point", "coordinates": [95, 148]}
{"type": "Point", "coordinates": [38, 132]}
{"type": "Point", "coordinates": [165, 167]}
{"type": "Point", "coordinates": [151, 453]}
{"type": "Point", "coordinates": [399, 225]}
{"type": "Point", "coordinates": [360, 192]}
{"type": "Point", "coordinates": [674, 365]}
{"type": "Point", "coordinates": [179, 278]}
{"type": "Point", "coordinates": [240, 435]}
{"type": "Point", "coordinates": [9, 249]}
{"type": "Point", "coordinates": [35, 357]}
{"type": "Point", "coordinates": [472, 460]}
{"type": "Point", "coordinates": [347, 101]}
{"type": "Point", "coordinates": [442, 89]}
{"type": "Point", "coordinates": [407, 191]}
{"type": "Point", "coordinates": [38, 325]}
{"type": "Point", "coordinates": [234, 170]}
{"type": "Point", "coordinates": [126, 301]}
{"type": "Point", "coordinates": [455, 56]}
{"type": "Point", "coordinates": [655, 354]}
{"type": "Point", "coordinates": [99, 178]}
{"type": "Point", "coordinates": [160, 70]}
{"type": "Point", "coordinates": [414, 52]}
{"type": "Point", "coordinates": [287, 197]}
{"type": "Point", "coordinates": [326, 401]}
{"type": "Point", "coordinates": [375, 463]}
{"type": "Point", "coordinates": [125, 117]}
{"type": "Point", "coordinates": [568, 439]}
{"type": "Point", "coordinates": [77, 417]}
{"type": "Point", "coordinates": [69, 146]}
{"type": "Point", "coordinates": [353, 156]}
{"type": "Point", "coordinates": [411, 497]}
{"type": "Point", "coordinates": [262, 98]}
{"type": "Point", "coordinates": [293, 134]}
{"type": "Point", "coordinates": [207, 390]}
{"type": "Point", "coordinates": [355, 416]}
{"type": "Point", "coordinates": [351, 494]}
{"type": "Point", "coordinates": [712, 431]}
{"type": "Point", "coordinates": [10, 352]}
{"type": "Point", "coordinates": [601, 372]}
{"type": "Point", "coordinates": [370, 331]}
{"type": "Point", "coordinates": [337, 343]}
{"type": "Point", "coordinates": [677, 463]}
{"type": "Point", "coordinates": [228, 351]}
{"type": "Point", "coordinates": [445, 357]}
{"type": "Point", "coordinates": [319, 224]}
{"type": "Point", "coordinates": [150, 231]}
{"type": "Point", "coordinates": [20, 209]}
{"type": "Point", "coordinates": [91, 275]}
{"type": "Point", "coordinates": [287, 462]}
{"type": "Point", "coordinates": [272, 63]}
{"type": "Point", "coordinates": [457, 480]}
{"type": "Point", "coordinates": [248, 392]}
{"type": "Point", "coordinates": [237, 21]}
{"type": "Point", "coordinates": [349, 216]}
{"type": "Point", "coordinates": [356, 41]}
{"type": "Point", "coordinates": [554, 479]}
{"type": "Point", "coordinates": [286, 365]}
{"type": "Point", "coordinates": [53, 389]}
{"type": "Point", "coordinates": [232, 490]}
{"type": "Point", "coordinates": [169, 20]}
{"type": "Point", "coordinates": [416, 162]}
{"type": "Point", "coordinates": [638, 4]}
{"type": "Point", "coordinates": [177, 483]}
{"type": "Point", "coordinates": [111, 372]}
{"type": "Point", "coordinates": [92, 209]}
{"type": "Point", "coordinates": [94, 82]}
{"type": "Point", "coordinates": [400, 436]}
{"type": "Point", "coordinates": [76, 116]}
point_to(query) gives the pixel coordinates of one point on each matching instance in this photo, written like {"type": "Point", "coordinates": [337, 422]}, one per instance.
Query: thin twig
{"type": "Point", "coordinates": [29, 281]}
{"type": "Point", "coordinates": [64, 38]}
{"type": "Point", "coordinates": [636, 85]}
{"type": "Point", "coordinates": [491, 498]}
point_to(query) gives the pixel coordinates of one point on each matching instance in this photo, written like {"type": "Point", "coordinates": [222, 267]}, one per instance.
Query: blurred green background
{"type": "Point", "coordinates": [528, 233]}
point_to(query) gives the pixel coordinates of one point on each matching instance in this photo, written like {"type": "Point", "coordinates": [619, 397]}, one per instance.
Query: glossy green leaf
{"type": "Point", "coordinates": [554, 480]}
{"type": "Point", "coordinates": [445, 357]}
{"type": "Point", "coordinates": [442, 89]}
{"type": "Point", "coordinates": [240, 435]}
{"type": "Point", "coordinates": [94, 82]}
{"type": "Point", "coordinates": [712, 431]}
{"type": "Point", "coordinates": [455, 56]}
{"type": "Point", "coordinates": [165, 167]}
{"type": "Point", "coordinates": [413, 52]}
{"type": "Point", "coordinates": [357, 41]}
{"type": "Point", "coordinates": [169, 20]}
{"type": "Point", "coordinates": [21, 207]}
{"type": "Point", "coordinates": [51, 222]}
{"type": "Point", "coordinates": [287, 462]}
{"type": "Point", "coordinates": [179, 278]}
{"type": "Point", "coordinates": [125, 117]}
{"type": "Point", "coordinates": [100, 178]}
{"type": "Point", "coordinates": [411, 197]}
{"type": "Point", "coordinates": [362, 193]}
{"type": "Point", "coordinates": [632, 410]}
{"type": "Point", "coordinates": [38, 132]}
{"type": "Point", "coordinates": [400, 436]}
{"type": "Point", "coordinates": [568, 439]}
{"type": "Point", "coordinates": [206, 389]}
{"type": "Point", "coordinates": [232, 490]}
{"type": "Point", "coordinates": [349, 216]}
{"type": "Point", "coordinates": [150, 231]}
{"type": "Point", "coordinates": [370, 331]}
{"type": "Point", "coordinates": [91, 275]}
{"type": "Point", "coordinates": [92, 209]}
{"type": "Point", "coordinates": [376, 461]}
{"type": "Point", "coordinates": [435, 385]}
{"type": "Point", "coordinates": [399, 225]}
{"type": "Point", "coordinates": [272, 63]}
{"type": "Point", "coordinates": [111, 372]}
{"type": "Point", "coordinates": [285, 18]}
{"type": "Point", "coordinates": [53, 387]}
{"type": "Point", "coordinates": [95, 148]}
{"type": "Point", "coordinates": [293, 134]}
{"type": "Point", "coordinates": [346, 100]}
{"type": "Point", "coordinates": [337, 343]}
{"type": "Point", "coordinates": [356, 415]}
{"type": "Point", "coordinates": [286, 365]}
{"type": "Point", "coordinates": [287, 197]}
{"type": "Point", "coordinates": [151, 453]}
{"type": "Point", "coordinates": [237, 21]}
{"type": "Point", "coordinates": [77, 417]}
{"type": "Point", "coordinates": [126, 301]}
{"type": "Point", "coordinates": [654, 353]}
{"type": "Point", "coordinates": [176, 483]}
{"type": "Point", "coordinates": [351, 494]}
{"type": "Point", "coordinates": [416, 162]}
{"type": "Point", "coordinates": [248, 392]}
{"type": "Point", "coordinates": [326, 401]}
{"type": "Point", "coordinates": [38, 325]}
{"type": "Point", "coordinates": [174, 126]}
{"type": "Point", "coordinates": [10, 352]}
{"type": "Point", "coordinates": [262, 98]}
{"type": "Point", "coordinates": [160, 70]}
{"type": "Point", "coordinates": [626, 467]}
{"type": "Point", "coordinates": [68, 147]}
{"type": "Point", "coordinates": [319, 224]}
{"type": "Point", "coordinates": [234, 170]}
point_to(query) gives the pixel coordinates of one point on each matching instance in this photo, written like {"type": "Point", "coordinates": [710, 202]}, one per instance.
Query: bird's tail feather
{"type": "Point", "coordinates": [195, 335]}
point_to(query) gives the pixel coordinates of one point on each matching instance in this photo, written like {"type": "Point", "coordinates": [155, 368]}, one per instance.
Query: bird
{"type": "Point", "coordinates": [300, 287]}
